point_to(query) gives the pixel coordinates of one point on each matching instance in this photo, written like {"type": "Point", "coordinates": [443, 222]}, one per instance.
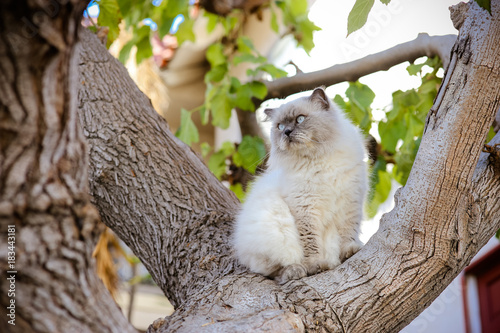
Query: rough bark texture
{"type": "Point", "coordinates": [43, 178]}
{"type": "Point", "coordinates": [176, 216]}
{"type": "Point", "coordinates": [151, 188]}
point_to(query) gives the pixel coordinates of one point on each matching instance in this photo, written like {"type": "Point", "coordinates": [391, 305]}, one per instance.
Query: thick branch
{"type": "Point", "coordinates": [150, 188]}
{"type": "Point", "coordinates": [423, 45]}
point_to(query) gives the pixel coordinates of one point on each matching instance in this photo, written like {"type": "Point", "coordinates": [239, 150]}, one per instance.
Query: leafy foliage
{"type": "Point", "coordinates": [400, 131]}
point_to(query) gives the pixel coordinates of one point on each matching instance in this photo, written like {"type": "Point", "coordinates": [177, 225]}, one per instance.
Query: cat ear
{"type": "Point", "coordinates": [268, 113]}
{"type": "Point", "coordinates": [319, 96]}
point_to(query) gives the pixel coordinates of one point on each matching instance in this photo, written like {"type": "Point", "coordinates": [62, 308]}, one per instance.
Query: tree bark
{"type": "Point", "coordinates": [150, 188]}
{"type": "Point", "coordinates": [48, 226]}
{"type": "Point", "coordinates": [156, 194]}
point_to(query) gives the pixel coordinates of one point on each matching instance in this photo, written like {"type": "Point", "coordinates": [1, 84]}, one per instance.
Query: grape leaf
{"type": "Point", "coordinates": [250, 153]}
{"type": "Point", "coordinates": [485, 4]}
{"type": "Point", "coordinates": [187, 132]}
{"type": "Point", "coordinates": [185, 31]}
{"type": "Point", "coordinates": [358, 15]}
{"type": "Point", "coordinates": [215, 55]}
{"type": "Point", "coordinates": [237, 189]}
{"type": "Point", "coordinates": [217, 164]}
{"type": "Point", "coordinates": [109, 16]}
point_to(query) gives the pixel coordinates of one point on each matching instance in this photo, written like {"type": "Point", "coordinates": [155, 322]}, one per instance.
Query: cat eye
{"type": "Point", "coordinates": [281, 127]}
{"type": "Point", "coordinates": [300, 119]}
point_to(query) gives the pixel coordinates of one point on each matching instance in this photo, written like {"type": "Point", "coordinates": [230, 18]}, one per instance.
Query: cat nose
{"type": "Point", "coordinates": [288, 131]}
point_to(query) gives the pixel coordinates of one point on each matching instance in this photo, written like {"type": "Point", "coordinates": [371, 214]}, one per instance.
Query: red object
{"type": "Point", "coordinates": [487, 272]}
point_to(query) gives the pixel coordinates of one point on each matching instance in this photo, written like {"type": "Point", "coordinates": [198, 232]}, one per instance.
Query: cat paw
{"type": "Point", "coordinates": [348, 250]}
{"type": "Point", "coordinates": [291, 272]}
{"type": "Point", "coordinates": [314, 266]}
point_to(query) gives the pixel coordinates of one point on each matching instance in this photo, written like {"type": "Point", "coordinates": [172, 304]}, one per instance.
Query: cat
{"type": "Point", "coordinates": [303, 214]}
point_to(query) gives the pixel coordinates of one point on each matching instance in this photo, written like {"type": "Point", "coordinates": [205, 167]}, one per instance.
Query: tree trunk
{"type": "Point", "coordinates": [48, 226]}
{"type": "Point", "coordinates": [156, 194]}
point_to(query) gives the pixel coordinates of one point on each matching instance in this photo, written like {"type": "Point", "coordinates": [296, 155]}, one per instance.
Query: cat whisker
{"type": "Point", "coordinates": [306, 138]}
{"type": "Point", "coordinates": [262, 159]}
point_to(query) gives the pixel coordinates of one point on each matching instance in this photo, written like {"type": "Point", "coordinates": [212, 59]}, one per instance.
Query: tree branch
{"type": "Point", "coordinates": [423, 45]}
{"type": "Point", "coordinates": [151, 189]}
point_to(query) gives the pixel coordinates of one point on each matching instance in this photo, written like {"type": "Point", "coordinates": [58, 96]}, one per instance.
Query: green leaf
{"type": "Point", "coordinates": [185, 31]}
{"type": "Point", "coordinates": [220, 106]}
{"type": "Point", "coordinates": [125, 52]}
{"type": "Point", "coordinates": [205, 149]}
{"type": "Point", "coordinates": [251, 152]}
{"type": "Point", "coordinates": [175, 7]}
{"type": "Point", "coordinates": [274, 21]}
{"type": "Point", "coordinates": [272, 70]}
{"type": "Point", "coordinates": [187, 131]}
{"type": "Point", "coordinates": [385, 2]}
{"type": "Point", "coordinates": [361, 97]}
{"type": "Point", "coordinates": [215, 55]}
{"type": "Point", "coordinates": [164, 26]}
{"type": "Point", "coordinates": [229, 23]}
{"type": "Point", "coordinates": [390, 134]}
{"type": "Point", "coordinates": [485, 4]}
{"type": "Point", "coordinates": [227, 148]}
{"type": "Point", "coordinates": [304, 34]}
{"type": "Point", "coordinates": [414, 69]}
{"type": "Point", "coordinates": [245, 45]}
{"type": "Point", "coordinates": [245, 92]}
{"type": "Point", "coordinates": [216, 73]}
{"type": "Point", "coordinates": [415, 125]}
{"type": "Point", "coordinates": [109, 16]}
{"type": "Point", "coordinates": [340, 102]}
{"type": "Point", "coordinates": [297, 7]}
{"type": "Point", "coordinates": [491, 134]}
{"type": "Point", "coordinates": [144, 49]}
{"type": "Point", "coordinates": [428, 86]}
{"type": "Point", "coordinates": [217, 164]}
{"type": "Point", "coordinates": [358, 15]}
{"type": "Point", "coordinates": [380, 192]}
{"type": "Point", "coordinates": [238, 191]}
{"type": "Point", "coordinates": [258, 89]}
{"type": "Point", "coordinates": [212, 21]}
{"type": "Point", "coordinates": [248, 58]}
{"type": "Point", "coordinates": [204, 115]}
{"type": "Point", "coordinates": [125, 6]}
{"type": "Point", "coordinates": [243, 98]}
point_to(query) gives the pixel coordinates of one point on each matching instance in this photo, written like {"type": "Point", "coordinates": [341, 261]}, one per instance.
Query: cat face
{"type": "Point", "coordinates": [303, 125]}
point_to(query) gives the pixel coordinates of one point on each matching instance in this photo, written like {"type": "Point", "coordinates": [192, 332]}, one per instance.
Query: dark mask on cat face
{"type": "Point", "coordinates": [304, 124]}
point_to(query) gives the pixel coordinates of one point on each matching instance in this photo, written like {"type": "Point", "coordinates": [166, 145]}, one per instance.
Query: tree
{"type": "Point", "coordinates": [158, 196]}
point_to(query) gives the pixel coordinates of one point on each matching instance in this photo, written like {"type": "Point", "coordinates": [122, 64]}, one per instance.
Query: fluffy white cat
{"type": "Point", "coordinates": [303, 214]}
